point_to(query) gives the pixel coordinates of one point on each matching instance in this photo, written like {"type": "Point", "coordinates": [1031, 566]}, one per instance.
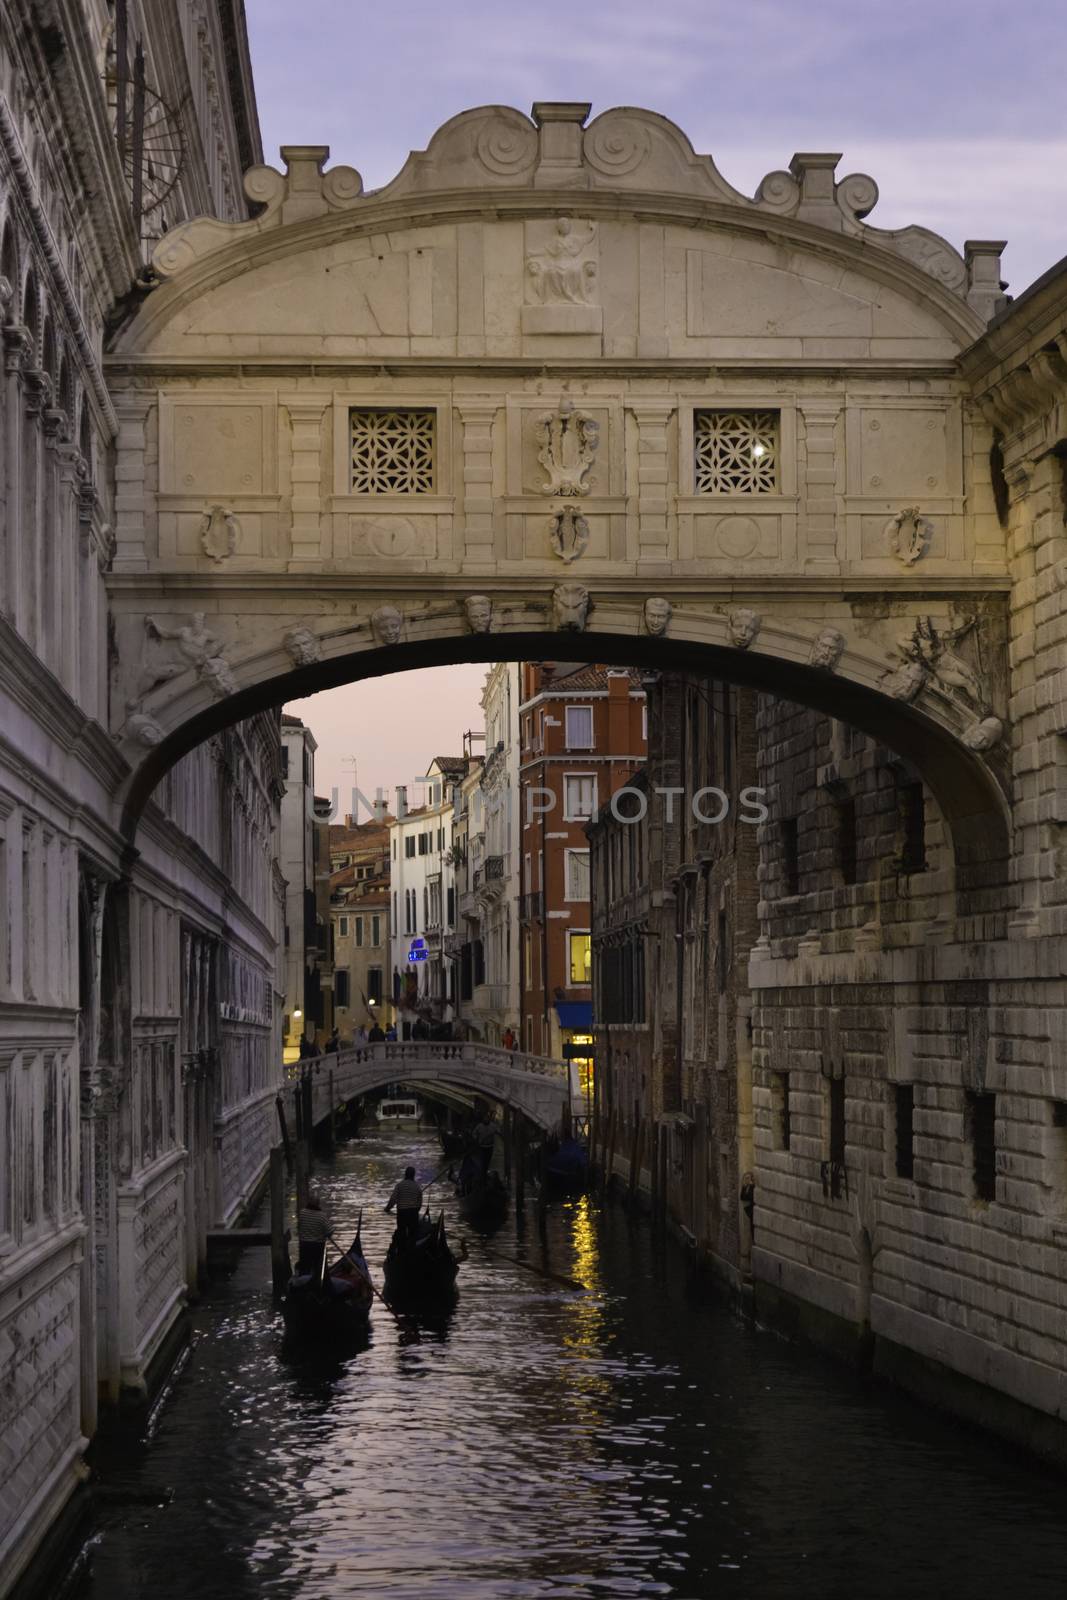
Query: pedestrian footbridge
{"type": "Point", "coordinates": [538, 1086]}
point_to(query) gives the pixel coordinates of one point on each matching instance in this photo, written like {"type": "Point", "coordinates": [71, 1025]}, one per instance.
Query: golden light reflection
{"type": "Point", "coordinates": [590, 1391]}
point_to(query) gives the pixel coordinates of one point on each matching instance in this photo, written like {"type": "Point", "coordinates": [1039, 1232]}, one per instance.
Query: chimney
{"type": "Point", "coordinates": [618, 712]}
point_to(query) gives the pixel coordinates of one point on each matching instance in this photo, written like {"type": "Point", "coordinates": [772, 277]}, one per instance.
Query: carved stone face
{"type": "Point", "coordinates": [744, 626]}
{"type": "Point", "coordinates": [657, 614]}
{"type": "Point", "coordinates": [386, 623]}
{"type": "Point", "coordinates": [983, 735]}
{"type": "Point", "coordinates": [302, 646]}
{"type": "Point", "coordinates": [570, 607]}
{"type": "Point", "coordinates": [144, 729]}
{"type": "Point", "coordinates": [479, 612]}
{"type": "Point", "coordinates": [826, 651]}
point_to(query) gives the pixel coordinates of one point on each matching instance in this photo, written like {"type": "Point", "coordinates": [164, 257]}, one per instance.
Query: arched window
{"type": "Point", "coordinates": [65, 392]}
{"type": "Point", "coordinates": [85, 440]}
{"type": "Point", "coordinates": [9, 262]}
{"type": "Point", "coordinates": [31, 314]}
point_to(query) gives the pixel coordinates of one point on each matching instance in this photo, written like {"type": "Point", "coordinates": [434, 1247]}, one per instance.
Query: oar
{"type": "Point", "coordinates": [542, 1272]}
{"type": "Point", "coordinates": [345, 1256]}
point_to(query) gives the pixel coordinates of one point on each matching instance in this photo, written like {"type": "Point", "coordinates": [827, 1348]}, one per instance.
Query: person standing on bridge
{"type": "Point", "coordinates": [407, 1198]}
{"type": "Point", "coordinates": [376, 1035]}
{"type": "Point", "coordinates": [509, 1041]}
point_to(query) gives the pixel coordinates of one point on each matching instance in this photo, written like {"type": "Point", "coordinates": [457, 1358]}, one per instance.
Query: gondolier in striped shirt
{"type": "Point", "coordinates": [407, 1199]}
{"type": "Point", "coordinates": [312, 1231]}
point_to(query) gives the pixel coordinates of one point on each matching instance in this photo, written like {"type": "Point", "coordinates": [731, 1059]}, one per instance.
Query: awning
{"type": "Point", "coordinates": [576, 1015]}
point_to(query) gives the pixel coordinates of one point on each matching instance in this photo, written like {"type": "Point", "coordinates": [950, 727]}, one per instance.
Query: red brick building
{"type": "Point", "coordinates": [582, 732]}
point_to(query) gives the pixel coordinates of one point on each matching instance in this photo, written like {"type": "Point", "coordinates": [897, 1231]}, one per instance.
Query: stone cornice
{"type": "Point", "coordinates": [158, 586]}
{"type": "Point", "coordinates": [1018, 369]}
{"type": "Point", "coordinates": [687, 368]}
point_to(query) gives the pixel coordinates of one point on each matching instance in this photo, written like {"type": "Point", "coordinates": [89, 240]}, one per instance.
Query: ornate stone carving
{"type": "Point", "coordinates": [506, 147]}
{"type": "Point", "coordinates": [220, 533]}
{"type": "Point", "coordinates": [303, 647]}
{"type": "Point", "coordinates": [570, 607]}
{"type": "Point", "coordinates": [657, 615]}
{"type": "Point", "coordinates": [478, 610]}
{"type": "Point", "coordinates": [387, 624]}
{"type": "Point", "coordinates": [826, 650]}
{"type": "Point", "coordinates": [744, 625]}
{"type": "Point", "coordinates": [140, 727]}
{"type": "Point", "coordinates": [983, 735]}
{"type": "Point", "coordinates": [908, 535]}
{"type": "Point", "coordinates": [562, 274]}
{"type": "Point", "coordinates": [569, 533]}
{"type": "Point", "coordinates": [198, 649]}
{"type": "Point", "coordinates": [569, 439]}
{"type": "Point", "coordinates": [927, 660]}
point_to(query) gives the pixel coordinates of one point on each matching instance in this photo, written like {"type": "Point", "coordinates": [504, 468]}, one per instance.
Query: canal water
{"type": "Point", "coordinates": [630, 1438]}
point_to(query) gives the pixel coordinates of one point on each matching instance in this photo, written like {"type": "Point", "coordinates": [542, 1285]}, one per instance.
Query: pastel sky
{"type": "Point", "coordinates": [954, 107]}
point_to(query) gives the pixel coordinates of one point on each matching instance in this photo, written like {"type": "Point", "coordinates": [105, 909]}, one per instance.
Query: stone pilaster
{"type": "Point", "coordinates": [477, 417]}
{"type": "Point", "coordinates": [130, 552]}
{"type": "Point", "coordinates": [305, 415]}
{"type": "Point", "coordinates": [653, 483]}
{"type": "Point", "coordinates": [818, 420]}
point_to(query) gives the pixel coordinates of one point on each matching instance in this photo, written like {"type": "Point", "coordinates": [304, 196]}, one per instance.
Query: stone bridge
{"type": "Point", "coordinates": [538, 1086]}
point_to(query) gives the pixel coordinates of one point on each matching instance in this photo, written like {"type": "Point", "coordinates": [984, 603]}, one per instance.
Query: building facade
{"type": "Point", "coordinates": [423, 898]}
{"type": "Point", "coordinates": [582, 734]}
{"type": "Point", "coordinates": [359, 912]}
{"type": "Point", "coordinates": [139, 993]}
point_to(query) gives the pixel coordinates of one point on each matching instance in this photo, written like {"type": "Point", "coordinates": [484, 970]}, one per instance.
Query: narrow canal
{"type": "Point", "coordinates": [631, 1439]}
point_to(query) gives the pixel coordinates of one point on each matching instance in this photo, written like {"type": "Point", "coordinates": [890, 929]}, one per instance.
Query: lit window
{"type": "Point", "coordinates": [579, 948]}
{"type": "Point", "coordinates": [579, 796]}
{"type": "Point", "coordinates": [392, 451]}
{"type": "Point", "coordinates": [735, 452]}
{"type": "Point", "coordinates": [577, 874]}
{"type": "Point", "coordinates": [579, 727]}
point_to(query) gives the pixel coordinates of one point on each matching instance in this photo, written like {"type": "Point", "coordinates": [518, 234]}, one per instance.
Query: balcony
{"type": "Point", "coordinates": [490, 997]}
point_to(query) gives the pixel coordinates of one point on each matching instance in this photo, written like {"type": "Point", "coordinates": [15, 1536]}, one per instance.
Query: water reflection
{"type": "Point", "coordinates": [630, 1438]}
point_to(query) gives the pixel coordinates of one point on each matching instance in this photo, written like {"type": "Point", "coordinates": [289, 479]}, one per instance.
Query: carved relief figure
{"type": "Point", "coordinates": [909, 535]}
{"type": "Point", "coordinates": [198, 648]}
{"type": "Point", "coordinates": [983, 735]}
{"type": "Point", "coordinates": [570, 607]}
{"type": "Point", "coordinates": [140, 727]}
{"type": "Point", "coordinates": [478, 609]}
{"type": "Point", "coordinates": [657, 615]}
{"type": "Point", "coordinates": [569, 533]}
{"type": "Point", "coordinates": [927, 659]}
{"type": "Point", "coordinates": [558, 273]}
{"type": "Point", "coordinates": [303, 647]}
{"type": "Point", "coordinates": [568, 440]}
{"type": "Point", "coordinates": [827, 649]}
{"type": "Point", "coordinates": [220, 533]}
{"type": "Point", "coordinates": [386, 624]}
{"type": "Point", "coordinates": [744, 625]}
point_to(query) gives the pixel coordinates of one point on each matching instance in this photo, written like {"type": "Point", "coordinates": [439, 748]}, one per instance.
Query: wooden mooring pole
{"type": "Point", "coordinates": [302, 1169]}
{"type": "Point", "coordinates": [332, 1121]}
{"type": "Point", "coordinates": [279, 1237]}
{"type": "Point", "coordinates": [520, 1161]}
{"type": "Point", "coordinates": [286, 1146]}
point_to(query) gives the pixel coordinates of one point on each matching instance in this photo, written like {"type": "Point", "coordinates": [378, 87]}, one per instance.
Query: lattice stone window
{"type": "Point", "coordinates": [392, 450]}
{"type": "Point", "coordinates": [735, 452]}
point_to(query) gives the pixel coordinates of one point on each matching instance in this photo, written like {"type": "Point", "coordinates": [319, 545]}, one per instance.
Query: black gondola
{"type": "Point", "coordinates": [482, 1195]}
{"type": "Point", "coordinates": [567, 1168]}
{"type": "Point", "coordinates": [331, 1302]}
{"type": "Point", "coordinates": [424, 1271]}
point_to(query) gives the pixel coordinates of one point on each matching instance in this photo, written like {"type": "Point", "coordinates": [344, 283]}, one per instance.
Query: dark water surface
{"type": "Point", "coordinates": [634, 1439]}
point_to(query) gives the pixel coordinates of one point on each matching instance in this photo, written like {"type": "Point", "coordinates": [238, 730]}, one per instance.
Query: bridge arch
{"type": "Point", "coordinates": [558, 303]}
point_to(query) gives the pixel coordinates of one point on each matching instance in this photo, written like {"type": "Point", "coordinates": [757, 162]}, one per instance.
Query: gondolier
{"type": "Point", "coordinates": [312, 1231]}
{"type": "Point", "coordinates": [407, 1199]}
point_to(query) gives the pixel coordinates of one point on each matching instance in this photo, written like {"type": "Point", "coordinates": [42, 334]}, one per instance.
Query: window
{"type": "Point", "coordinates": [376, 931]}
{"type": "Point", "coordinates": [911, 814]}
{"type": "Point", "coordinates": [1056, 1152]}
{"type": "Point", "coordinates": [846, 840]}
{"type": "Point", "coordinates": [579, 957]}
{"type": "Point", "coordinates": [780, 1110]}
{"type": "Point", "coordinates": [735, 452]}
{"type": "Point", "coordinates": [409, 846]}
{"type": "Point", "coordinates": [790, 855]}
{"type": "Point", "coordinates": [359, 931]}
{"type": "Point", "coordinates": [341, 988]}
{"type": "Point", "coordinates": [374, 985]}
{"type": "Point", "coordinates": [285, 760]}
{"type": "Point", "coordinates": [392, 450]}
{"type": "Point", "coordinates": [424, 844]}
{"type": "Point", "coordinates": [579, 720]}
{"type": "Point", "coordinates": [644, 723]}
{"type": "Point", "coordinates": [577, 874]}
{"type": "Point", "coordinates": [980, 1118]}
{"type": "Point", "coordinates": [451, 904]}
{"type": "Point", "coordinates": [440, 838]}
{"type": "Point", "coordinates": [342, 927]}
{"type": "Point", "coordinates": [579, 797]}
{"type": "Point", "coordinates": [904, 1096]}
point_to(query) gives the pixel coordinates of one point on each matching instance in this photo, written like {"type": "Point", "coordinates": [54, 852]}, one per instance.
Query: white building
{"type": "Point", "coordinates": [495, 1002]}
{"type": "Point", "coordinates": [297, 864]}
{"type": "Point", "coordinates": [139, 1018]}
{"type": "Point", "coordinates": [424, 897]}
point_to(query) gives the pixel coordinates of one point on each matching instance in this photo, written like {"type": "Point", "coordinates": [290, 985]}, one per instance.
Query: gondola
{"type": "Point", "coordinates": [567, 1168]}
{"type": "Point", "coordinates": [332, 1303]}
{"type": "Point", "coordinates": [482, 1196]}
{"type": "Point", "coordinates": [423, 1272]}
{"type": "Point", "coordinates": [452, 1143]}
